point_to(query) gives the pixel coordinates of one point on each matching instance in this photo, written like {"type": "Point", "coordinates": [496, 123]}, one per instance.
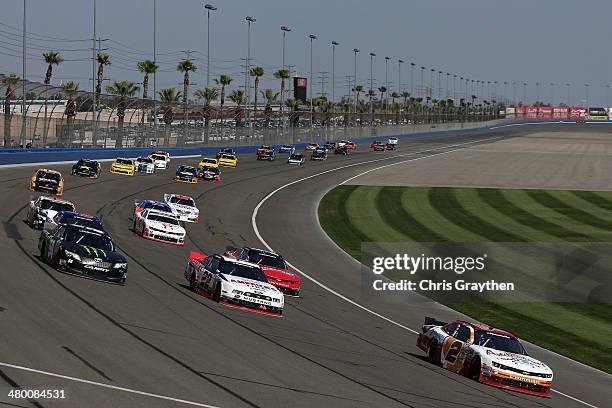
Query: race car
{"type": "Point", "coordinates": [266, 155]}
{"type": "Point", "coordinates": [82, 251]}
{"type": "Point", "coordinates": [234, 283]}
{"type": "Point", "coordinates": [186, 174]}
{"type": "Point", "coordinates": [123, 166]}
{"type": "Point", "coordinates": [391, 146]}
{"type": "Point", "coordinates": [490, 356]}
{"type": "Point", "coordinates": [296, 158]}
{"type": "Point", "coordinates": [341, 150]}
{"type": "Point", "coordinates": [140, 206]}
{"type": "Point", "coordinates": [86, 168]}
{"type": "Point", "coordinates": [329, 146]}
{"type": "Point", "coordinates": [183, 207]}
{"type": "Point", "coordinates": [47, 181]}
{"type": "Point", "coordinates": [286, 148]}
{"type": "Point", "coordinates": [318, 155]}
{"type": "Point", "coordinates": [378, 146]}
{"type": "Point", "coordinates": [392, 140]}
{"type": "Point", "coordinates": [208, 162]}
{"type": "Point", "coordinates": [273, 265]}
{"type": "Point", "coordinates": [209, 173]}
{"type": "Point", "coordinates": [312, 146]}
{"type": "Point", "coordinates": [226, 150]}
{"type": "Point", "coordinates": [263, 148]}
{"type": "Point", "coordinates": [41, 208]}
{"type": "Point", "coordinates": [161, 158]}
{"type": "Point", "coordinates": [159, 226]}
{"type": "Point", "coordinates": [73, 218]}
{"type": "Point", "coordinates": [145, 165]}
{"type": "Point", "coordinates": [350, 145]}
{"type": "Point", "coordinates": [228, 160]}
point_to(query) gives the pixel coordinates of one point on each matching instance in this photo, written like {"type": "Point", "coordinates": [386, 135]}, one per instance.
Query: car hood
{"type": "Point", "coordinates": [165, 226]}
{"type": "Point", "coordinates": [250, 285]}
{"type": "Point", "coordinates": [91, 252]}
{"type": "Point", "coordinates": [277, 273]}
{"type": "Point", "coordinates": [184, 207]}
{"type": "Point", "coordinates": [516, 361]}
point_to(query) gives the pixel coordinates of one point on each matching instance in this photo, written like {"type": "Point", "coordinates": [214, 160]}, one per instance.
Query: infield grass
{"type": "Point", "coordinates": [582, 331]}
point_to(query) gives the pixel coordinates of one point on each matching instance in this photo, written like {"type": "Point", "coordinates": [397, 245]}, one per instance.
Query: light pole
{"type": "Point", "coordinates": [524, 93]}
{"type": "Point", "coordinates": [568, 93]}
{"type": "Point", "coordinates": [552, 94]}
{"type": "Point", "coordinates": [372, 55]}
{"type": "Point", "coordinates": [411, 78]}
{"type": "Point", "coordinates": [312, 38]}
{"type": "Point", "coordinates": [285, 30]}
{"type": "Point", "coordinates": [154, 73]}
{"type": "Point", "coordinates": [537, 92]}
{"type": "Point", "coordinates": [399, 75]}
{"type": "Point", "coordinates": [386, 86]}
{"type": "Point", "coordinates": [247, 83]}
{"type": "Point", "coordinates": [514, 92]}
{"type": "Point", "coordinates": [93, 78]}
{"type": "Point", "coordinates": [607, 95]}
{"type": "Point", "coordinates": [439, 84]}
{"type": "Point", "coordinates": [23, 81]}
{"type": "Point", "coordinates": [431, 83]}
{"type": "Point", "coordinates": [209, 8]}
{"type": "Point", "coordinates": [455, 88]}
{"type": "Point", "coordinates": [586, 95]}
{"type": "Point", "coordinates": [421, 89]}
{"type": "Point", "coordinates": [355, 52]}
{"type": "Point", "coordinates": [334, 43]}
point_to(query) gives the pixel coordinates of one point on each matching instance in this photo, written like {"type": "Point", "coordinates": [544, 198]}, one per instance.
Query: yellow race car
{"type": "Point", "coordinates": [228, 160]}
{"type": "Point", "coordinates": [47, 181]}
{"type": "Point", "coordinates": [208, 162]}
{"type": "Point", "coordinates": [123, 166]}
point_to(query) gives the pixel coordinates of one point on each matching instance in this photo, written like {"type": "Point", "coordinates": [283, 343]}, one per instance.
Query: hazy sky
{"type": "Point", "coordinates": [531, 41]}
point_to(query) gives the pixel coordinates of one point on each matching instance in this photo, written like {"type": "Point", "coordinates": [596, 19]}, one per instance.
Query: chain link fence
{"type": "Point", "coordinates": [60, 117]}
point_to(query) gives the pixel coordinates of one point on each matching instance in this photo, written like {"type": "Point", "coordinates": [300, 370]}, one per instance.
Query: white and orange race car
{"type": "Point", "coordinates": [487, 355]}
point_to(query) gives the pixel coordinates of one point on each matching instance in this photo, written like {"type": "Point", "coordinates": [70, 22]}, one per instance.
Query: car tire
{"type": "Point", "coordinates": [192, 283]}
{"type": "Point", "coordinates": [475, 367]}
{"type": "Point", "coordinates": [295, 292]}
{"type": "Point", "coordinates": [431, 352]}
{"type": "Point", "coordinates": [217, 293]}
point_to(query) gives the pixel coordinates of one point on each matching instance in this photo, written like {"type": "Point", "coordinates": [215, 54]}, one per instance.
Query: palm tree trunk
{"type": "Point", "coordinates": [282, 97]}
{"type": "Point", "coordinates": [256, 92]}
{"type": "Point", "coordinates": [7, 118]}
{"type": "Point", "coordinates": [221, 105]}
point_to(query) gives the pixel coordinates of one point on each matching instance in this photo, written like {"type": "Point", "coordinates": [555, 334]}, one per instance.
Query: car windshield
{"type": "Point", "coordinates": [86, 163]}
{"type": "Point", "coordinates": [209, 169]}
{"type": "Point", "coordinates": [182, 201]}
{"type": "Point", "coordinates": [228, 157]}
{"type": "Point", "coordinates": [126, 162]}
{"type": "Point", "coordinates": [296, 157]}
{"type": "Point", "coordinates": [187, 169]}
{"type": "Point", "coordinates": [243, 271]}
{"type": "Point", "coordinates": [499, 342]}
{"type": "Point", "coordinates": [267, 260]}
{"type": "Point", "coordinates": [147, 160]}
{"type": "Point", "coordinates": [89, 239]}
{"type": "Point", "coordinates": [47, 175]}
{"type": "Point", "coordinates": [158, 157]}
{"type": "Point", "coordinates": [157, 206]}
{"type": "Point", "coordinates": [161, 218]}
{"type": "Point", "coordinates": [208, 161]}
{"type": "Point", "coordinates": [55, 206]}
{"type": "Point", "coordinates": [79, 221]}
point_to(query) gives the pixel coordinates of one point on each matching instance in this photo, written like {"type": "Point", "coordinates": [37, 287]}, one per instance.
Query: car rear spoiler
{"type": "Point", "coordinates": [432, 321]}
{"type": "Point", "coordinates": [196, 256]}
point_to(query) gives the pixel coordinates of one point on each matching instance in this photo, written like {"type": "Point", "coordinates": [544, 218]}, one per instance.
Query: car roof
{"type": "Point", "coordinates": [181, 196]}
{"type": "Point", "coordinates": [207, 158]}
{"type": "Point", "coordinates": [185, 166]}
{"type": "Point", "coordinates": [263, 251]}
{"type": "Point", "coordinates": [78, 214]}
{"type": "Point", "coordinates": [123, 158]}
{"type": "Point", "coordinates": [481, 327]}
{"type": "Point", "coordinates": [56, 200]}
{"type": "Point", "coordinates": [236, 261]}
{"type": "Point", "coordinates": [158, 212]}
{"type": "Point", "coordinates": [49, 171]}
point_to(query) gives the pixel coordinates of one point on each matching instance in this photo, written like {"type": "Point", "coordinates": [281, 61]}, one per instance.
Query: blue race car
{"type": "Point", "coordinates": [186, 174]}
{"type": "Point", "coordinates": [286, 148]}
{"type": "Point", "coordinates": [74, 218]}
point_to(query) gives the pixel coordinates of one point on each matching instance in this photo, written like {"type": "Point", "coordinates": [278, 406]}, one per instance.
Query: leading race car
{"type": "Point", "coordinates": [86, 168]}
{"type": "Point", "coordinates": [183, 206]}
{"type": "Point", "coordinates": [47, 181]}
{"type": "Point", "coordinates": [145, 165]}
{"type": "Point", "coordinates": [186, 174]}
{"type": "Point", "coordinates": [234, 283]}
{"type": "Point", "coordinates": [73, 218]}
{"type": "Point", "coordinates": [487, 355]}
{"type": "Point", "coordinates": [82, 251]}
{"type": "Point", "coordinates": [266, 155]}
{"type": "Point", "coordinates": [296, 158]}
{"type": "Point", "coordinates": [159, 226]}
{"type": "Point", "coordinates": [42, 208]}
{"type": "Point", "coordinates": [378, 146]}
{"type": "Point", "coordinates": [123, 166]}
{"type": "Point", "coordinates": [273, 265]}
{"type": "Point", "coordinates": [209, 173]}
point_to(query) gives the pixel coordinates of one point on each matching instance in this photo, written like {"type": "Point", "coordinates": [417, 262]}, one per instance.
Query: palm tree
{"type": "Point", "coordinates": [223, 80]}
{"type": "Point", "coordinates": [358, 89]}
{"type": "Point", "coordinates": [185, 67]}
{"type": "Point", "coordinates": [71, 89]}
{"type": "Point", "coordinates": [294, 116]}
{"type": "Point", "coordinates": [103, 60]}
{"type": "Point", "coordinates": [382, 91]}
{"type": "Point", "coordinates": [51, 58]}
{"type": "Point", "coordinates": [257, 72]}
{"type": "Point", "coordinates": [282, 74]}
{"type": "Point", "coordinates": [208, 95]}
{"type": "Point", "coordinates": [169, 97]}
{"type": "Point", "coordinates": [9, 81]}
{"type": "Point", "coordinates": [123, 89]}
{"type": "Point", "coordinates": [237, 96]}
{"type": "Point", "coordinates": [147, 67]}
{"type": "Point", "coordinates": [269, 96]}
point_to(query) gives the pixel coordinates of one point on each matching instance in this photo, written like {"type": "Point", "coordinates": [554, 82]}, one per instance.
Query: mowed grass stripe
{"type": "Point", "coordinates": [553, 202]}
{"type": "Point", "coordinates": [596, 199]}
{"type": "Point", "coordinates": [444, 200]}
{"type": "Point", "coordinates": [389, 205]}
{"type": "Point", "coordinates": [543, 230]}
{"type": "Point", "coordinates": [336, 222]}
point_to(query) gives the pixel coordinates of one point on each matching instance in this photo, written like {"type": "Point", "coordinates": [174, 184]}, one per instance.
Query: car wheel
{"type": "Point", "coordinates": [217, 293]}
{"type": "Point", "coordinates": [193, 283]}
{"type": "Point", "coordinates": [431, 352]}
{"type": "Point", "coordinates": [295, 292]}
{"type": "Point", "coordinates": [122, 282]}
{"type": "Point", "coordinates": [475, 368]}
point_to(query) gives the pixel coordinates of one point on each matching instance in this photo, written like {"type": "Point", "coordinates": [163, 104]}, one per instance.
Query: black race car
{"type": "Point", "coordinates": [266, 155]}
{"type": "Point", "coordinates": [227, 150]}
{"type": "Point", "coordinates": [329, 145]}
{"type": "Point", "coordinates": [319, 154]}
{"type": "Point", "coordinates": [82, 251]}
{"type": "Point", "coordinates": [209, 173]}
{"type": "Point", "coordinates": [186, 174]}
{"type": "Point", "coordinates": [341, 149]}
{"type": "Point", "coordinates": [86, 168]}
{"type": "Point", "coordinates": [391, 146]}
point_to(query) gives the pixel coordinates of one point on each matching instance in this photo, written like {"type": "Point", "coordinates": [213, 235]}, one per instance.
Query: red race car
{"type": "Point", "coordinates": [350, 145]}
{"type": "Point", "coordinates": [274, 266]}
{"type": "Point", "coordinates": [378, 146]}
{"type": "Point", "coordinates": [263, 149]}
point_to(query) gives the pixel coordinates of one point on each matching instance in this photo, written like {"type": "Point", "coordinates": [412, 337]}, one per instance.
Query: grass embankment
{"type": "Point", "coordinates": [582, 331]}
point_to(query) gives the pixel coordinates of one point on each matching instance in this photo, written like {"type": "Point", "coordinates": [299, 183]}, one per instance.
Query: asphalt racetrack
{"type": "Point", "coordinates": [153, 343]}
